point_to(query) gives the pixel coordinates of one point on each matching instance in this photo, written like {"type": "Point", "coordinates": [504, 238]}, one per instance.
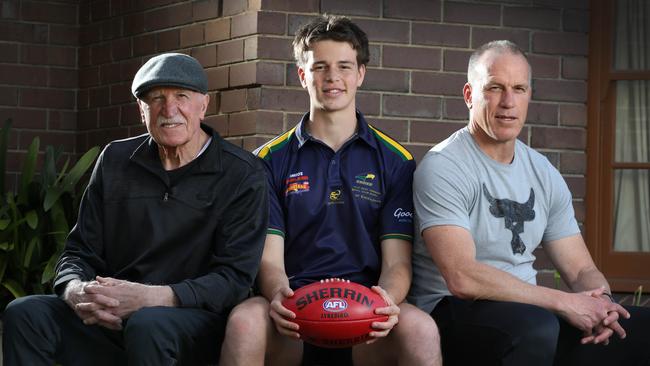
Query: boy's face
{"type": "Point", "coordinates": [331, 75]}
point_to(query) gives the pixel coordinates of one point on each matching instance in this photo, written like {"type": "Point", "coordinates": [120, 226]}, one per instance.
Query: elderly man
{"type": "Point", "coordinates": [169, 237]}
{"type": "Point", "coordinates": [484, 201]}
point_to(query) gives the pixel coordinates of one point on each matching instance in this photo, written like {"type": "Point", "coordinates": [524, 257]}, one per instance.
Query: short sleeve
{"type": "Point", "coordinates": [561, 219]}
{"type": "Point", "coordinates": [397, 211]}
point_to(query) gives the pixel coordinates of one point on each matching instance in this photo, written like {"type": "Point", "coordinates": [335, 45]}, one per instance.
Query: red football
{"type": "Point", "coordinates": [335, 313]}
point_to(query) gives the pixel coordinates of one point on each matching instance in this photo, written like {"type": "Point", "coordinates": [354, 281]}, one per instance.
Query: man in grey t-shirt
{"type": "Point", "coordinates": [484, 201]}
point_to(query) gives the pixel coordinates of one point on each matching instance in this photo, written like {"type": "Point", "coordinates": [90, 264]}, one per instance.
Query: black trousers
{"type": "Point", "coordinates": [506, 333]}
{"type": "Point", "coordinates": [42, 330]}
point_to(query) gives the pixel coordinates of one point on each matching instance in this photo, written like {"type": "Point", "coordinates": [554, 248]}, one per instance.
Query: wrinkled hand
{"type": "Point", "coordinates": [392, 310]}
{"type": "Point", "coordinates": [281, 316]}
{"type": "Point", "coordinates": [131, 296]}
{"type": "Point", "coordinates": [92, 308]}
{"type": "Point", "coordinates": [609, 325]}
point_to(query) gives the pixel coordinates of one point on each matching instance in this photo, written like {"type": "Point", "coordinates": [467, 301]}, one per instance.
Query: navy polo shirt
{"type": "Point", "coordinates": [334, 208]}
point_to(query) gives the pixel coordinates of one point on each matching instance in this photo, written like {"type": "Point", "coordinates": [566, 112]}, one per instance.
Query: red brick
{"type": "Point", "coordinates": [574, 68]}
{"type": "Point", "coordinates": [411, 106]}
{"type": "Point", "coordinates": [368, 103]}
{"type": "Point", "coordinates": [574, 115]}
{"type": "Point", "coordinates": [575, 20]}
{"type": "Point", "coordinates": [292, 78]}
{"type": "Point", "coordinates": [417, 150]}
{"type": "Point", "coordinates": [385, 30]}
{"type": "Point", "coordinates": [207, 55]}
{"type": "Point", "coordinates": [168, 17]}
{"type": "Point", "coordinates": [253, 98]}
{"type": "Point", "coordinates": [10, 10]}
{"type": "Point", "coordinates": [62, 120]}
{"type": "Point", "coordinates": [103, 137]}
{"type": "Point", "coordinates": [472, 13]}
{"type": "Point", "coordinates": [395, 128]}
{"type": "Point", "coordinates": [252, 122]}
{"type": "Point", "coordinates": [284, 99]}
{"type": "Point", "coordinates": [83, 56]}
{"type": "Point", "coordinates": [412, 57]}
{"type": "Point", "coordinates": [529, 17]}
{"type": "Point", "coordinates": [375, 55]}
{"type": "Point", "coordinates": [109, 117]}
{"type": "Point", "coordinates": [64, 35]}
{"type": "Point", "coordinates": [542, 113]}
{"type": "Point", "coordinates": [109, 73]}
{"type": "Point", "coordinates": [441, 34]}
{"type": "Point", "coordinates": [563, 43]}
{"type": "Point", "coordinates": [262, 73]}
{"type": "Point", "coordinates": [64, 139]}
{"type": "Point", "coordinates": [90, 33]}
{"type": "Point", "coordinates": [545, 66]}
{"type": "Point", "coordinates": [23, 75]}
{"type": "Point", "coordinates": [134, 23]}
{"type": "Point", "coordinates": [206, 9]}
{"type": "Point", "coordinates": [258, 22]}
{"type": "Point", "coordinates": [573, 163]}
{"type": "Point", "coordinates": [63, 78]}
{"type": "Point", "coordinates": [218, 123]}
{"type": "Point", "coordinates": [129, 68]}
{"type": "Point", "coordinates": [32, 33]}
{"type": "Point", "coordinates": [414, 9]}
{"type": "Point", "coordinates": [100, 54]}
{"type": "Point", "coordinates": [87, 119]}
{"type": "Point", "coordinates": [430, 132]}
{"type": "Point", "coordinates": [456, 60]}
{"type": "Point", "coordinates": [49, 12]}
{"type": "Point", "coordinates": [560, 90]}
{"type": "Point", "coordinates": [168, 40]}
{"type": "Point", "coordinates": [24, 118]}
{"type": "Point", "coordinates": [82, 99]}
{"type": "Point", "coordinates": [48, 55]}
{"type": "Point", "coordinates": [130, 114]}
{"type": "Point", "coordinates": [481, 36]}
{"type": "Point", "coordinates": [577, 186]}
{"type": "Point", "coordinates": [192, 35]}
{"type": "Point", "coordinates": [217, 77]}
{"type": "Point", "coordinates": [99, 10]}
{"type": "Point", "coordinates": [121, 93]}
{"type": "Point", "coordinates": [8, 52]}
{"type": "Point", "coordinates": [121, 49]}
{"type": "Point", "coordinates": [579, 208]}
{"type": "Point", "coordinates": [438, 83]}
{"type": "Point", "coordinates": [297, 6]}
{"type": "Point", "coordinates": [273, 49]}
{"type": "Point", "coordinates": [232, 7]}
{"type": "Point", "coordinates": [559, 138]}
{"type": "Point", "coordinates": [89, 77]}
{"type": "Point", "coordinates": [229, 52]}
{"type": "Point", "coordinates": [572, 4]}
{"type": "Point", "coordinates": [455, 108]}
{"type": "Point", "coordinates": [244, 24]}
{"type": "Point", "coordinates": [233, 100]}
{"type": "Point", "coordinates": [52, 98]}
{"type": "Point", "coordinates": [144, 45]}
{"type": "Point", "coordinates": [99, 97]}
{"type": "Point", "coordinates": [371, 8]}
{"type": "Point", "coordinates": [217, 30]}
{"type": "Point", "coordinates": [112, 28]}
{"type": "Point", "coordinates": [295, 21]}
{"type": "Point", "coordinates": [8, 96]}
{"type": "Point", "coordinates": [215, 103]}
{"type": "Point", "coordinates": [386, 80]}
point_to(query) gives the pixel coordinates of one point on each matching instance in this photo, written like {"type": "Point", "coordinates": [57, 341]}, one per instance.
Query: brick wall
{"type": "Point", "coordinates": [38, 75]}
{"type": "Point", "coordinates": [63, 87]}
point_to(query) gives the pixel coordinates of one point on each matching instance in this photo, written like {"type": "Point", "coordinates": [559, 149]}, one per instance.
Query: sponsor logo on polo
{"type": "Point", "coordinates": [296, 183]}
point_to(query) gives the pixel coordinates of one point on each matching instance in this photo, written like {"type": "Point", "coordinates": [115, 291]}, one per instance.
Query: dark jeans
{"type": "Point", "coordinates": [506, 333]}
{"type": "Point", "coordinates": [42, 330]}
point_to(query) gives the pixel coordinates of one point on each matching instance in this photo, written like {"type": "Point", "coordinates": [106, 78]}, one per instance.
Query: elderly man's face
{"type": "Point", "coordinates": [172, 115]}
{"type": "Point", "coordinates": [498, 96]}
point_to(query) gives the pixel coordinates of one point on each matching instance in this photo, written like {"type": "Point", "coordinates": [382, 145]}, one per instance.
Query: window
{"type": "Point", "coordinates": [618, 197]}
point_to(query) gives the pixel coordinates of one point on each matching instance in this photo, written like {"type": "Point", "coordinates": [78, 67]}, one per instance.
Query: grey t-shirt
{"type": "Point", "coordinates": [509, 209]}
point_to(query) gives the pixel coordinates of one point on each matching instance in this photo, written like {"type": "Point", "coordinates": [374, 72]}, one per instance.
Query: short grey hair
{"type": "Point", "coordinates": [500, 47]}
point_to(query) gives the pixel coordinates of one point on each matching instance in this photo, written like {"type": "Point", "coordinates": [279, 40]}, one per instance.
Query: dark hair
{"type": "Point", "coordinates": [500, 46]}
{"type": "Point", "coordinates": [334, 28]}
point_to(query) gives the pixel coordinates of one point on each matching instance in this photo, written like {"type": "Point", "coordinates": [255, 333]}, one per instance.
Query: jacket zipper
{"type": "Point", "coordinates": [166, 197]}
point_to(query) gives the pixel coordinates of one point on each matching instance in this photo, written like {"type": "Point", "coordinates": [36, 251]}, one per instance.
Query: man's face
{"type": "Point", "coordinates": [172, 115]}
{"type": "Point", "coordinates": [498, 96]}
{"type": "Point", "coordinates": [331, 75]}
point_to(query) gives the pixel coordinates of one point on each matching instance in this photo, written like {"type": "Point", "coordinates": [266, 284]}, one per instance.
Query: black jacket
{"type": "Point", "coordinates": [203, 236]}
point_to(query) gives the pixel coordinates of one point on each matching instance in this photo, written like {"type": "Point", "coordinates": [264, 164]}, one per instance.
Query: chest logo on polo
{"type": "Point", "coordinates": [366, 187]}
{"type": "Point", "coordinates": [335, 197]}
{"type": "Point", "coordinates": [515, 214]}
{"type": "Point", "coordinates": [296, 183]}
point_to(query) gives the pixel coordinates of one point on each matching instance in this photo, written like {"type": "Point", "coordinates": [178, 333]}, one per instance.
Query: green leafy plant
{"type": "Point", "coordinates": [638, 293]}
{"type": "Point", "coordinates": [36, 218]}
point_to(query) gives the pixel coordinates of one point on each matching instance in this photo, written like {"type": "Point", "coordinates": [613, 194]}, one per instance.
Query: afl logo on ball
{"type": "Point", "coordinates": [335, 305]}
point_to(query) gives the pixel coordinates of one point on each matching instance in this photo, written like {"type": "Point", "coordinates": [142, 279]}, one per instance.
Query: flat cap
{"type": "Point", "coordinates": [170, 69]}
